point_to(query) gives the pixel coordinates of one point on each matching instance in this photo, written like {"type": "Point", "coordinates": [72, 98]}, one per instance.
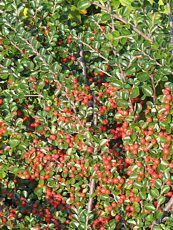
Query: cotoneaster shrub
{"type": "Point", "coordinates": [86, 115]}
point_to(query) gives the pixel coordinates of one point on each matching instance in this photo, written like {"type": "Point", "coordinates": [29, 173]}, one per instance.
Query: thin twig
{"type": "Point", "coordinates": [70, 101]}
{"type": "Point", "coordinates": [95, 117]}
{"type": "Point", "coordinates": [110, 43]}
{"type": "Point", "coordinates": [13, 44]}
{"type": "Point", "coordinates": [92, 182]}
{"type": "Point", "coordinates": [95, 67]}
{"type": "Point", "coordinates": [45, 63]}
{"type": "Point", "coordinates": [167, 208]}
{"type": "Point", "coordinates": [122, 73]}
{"type": "Point", "coordinates": [110, 12]}
{"type": "Point", "coordinates": [90, 202]}
{"type": "Point", "coordinates": [33, 49]}
{"type": "Point", "coordinates": [169, 205]}
{"type": "Point", "coordinates": [53, 12]}
{"type": "Point", "coordinates": [127, 36]}
{"type": "Point", "coordinates": [147, 55]}
{"type": "Point", "coordinates": [3, 67]}
{"type": "Point", "coordinates": [82, 62]}
{"type": "Point", "coordinates": [91, 48]}
{"type": "Point", "coordinates": [124, 21]}
{"type": "Point", "coordinates": [33, 95]}
{"type": "Point", "coordinates": [153, 86]}
{"type": "Point", "coordinates": [123, 76]}
{"type": "Point", "coordinates": [170, 23]}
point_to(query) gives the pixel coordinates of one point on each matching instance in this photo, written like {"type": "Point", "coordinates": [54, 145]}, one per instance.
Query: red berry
{"type": "Point", "coordinates": [117, 217]}
{"type": "Point", "coordinates": [1, 101]}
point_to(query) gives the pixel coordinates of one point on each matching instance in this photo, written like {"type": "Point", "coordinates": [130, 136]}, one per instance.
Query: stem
{"type": "Point", "coordinates": [123, 76]}
{"type": "Point", "coordinates": [3, 67]}
{"type": "Point", "coordinates": [34, 50]}
{"type": "Point", "coordinates": [92, 182]}
{"type": "Point", "coordinates": [147, 55]}
{"type": "Point", "coordinates": [167, 208]}
{"type": "Point", "coordinates": [100, 55]}
{"type": "Point", "coordinates": [71, 102]}
{"type": "Point", "coordinates": [33, 95]}
{"type": "Point", "coordinates": [124, 21]}
{"type": "Point", "coordinates": [170, 23]}
{"type": "Point", "coordinates": [169, 205]}
{"type": "Point", "coordinates": [112, 46]}
{"type": "Point", "coordinates": [95, 67]}
{"type": "Point", "coordinates": [112, 18]}
{"type": "Point", "coordinates": [13, 44]}
{"type": "Point", "coordinates": [90, 202]}
{"type": "Point", "coordinates": [91, 48]}
{"type": "Point", "coordinates": [122, 73]}
{"type": "Point", "coordinates": [153, 86]}
{"type": "Point", "coordinates": [82, 62]}
{"type": "Point", "coordinates": [53, 12]}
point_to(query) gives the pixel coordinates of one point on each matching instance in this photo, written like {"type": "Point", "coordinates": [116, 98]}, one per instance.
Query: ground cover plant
{"type": "Point", "coordinates": [86, 95]}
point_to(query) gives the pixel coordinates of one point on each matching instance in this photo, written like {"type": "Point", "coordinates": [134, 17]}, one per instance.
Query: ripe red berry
{"type": "Point", "coordinates": [101, 74]}
{"type": "Point", "coordinates": [1, 101]}
{"type": "Point", "coordinates": [117, 217]}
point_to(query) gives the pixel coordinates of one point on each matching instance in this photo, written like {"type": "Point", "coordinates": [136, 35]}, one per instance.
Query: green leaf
{"type": "Point", "coordinates": [105, 17]}
{"type": "Point", "coordinates": [14, 142]}
{"type": "Point", "coordinates": [19, 122]}
{"type": "Point", "coordinates": [38, 192]}
{"type": "Point", "coordinates": [161, 3]}
{"type": "Point", "coordinates": [7, 62]}
{"type": "Point", "coordinates": [126, 2]}
{"type": "Point", "coordinates": [116, 33]}
{"type": "Point", "coordinates": [116, 83]}
{"type": "Point", "coordinates": [150, 218]}
{"type": "Point", "coordinates": [41, 182]}
{"type": "Point", "coordinates": [138, 185]}
{"type": "Point", "coordinates": [147, 90]}
{"type": "Point", "coordinates": [115, 3]}
{"type": "Point", "coordinates": [137, 206]}
{"type": "Point", "coordinates": [165, 189]}
{"type": "Point", "coordinates": [159, 214]}
{"type": "Point", "coordinates": [4, 76]}
{"type": "Point", "coordinates": [110, 37]}
{"type": "Point", "coordinates": [150, 207]}
{"type": "Point", "coordinates": [151, 1]}
{"type": "Point", "coordinates": [2, 173]}
{"type": "Point", "coordinates": [143, 76]}
{"type": "Point", "coordinates": [131, 221]}
{"type": "Point", "coordinates": [154, 192]}
{"type": "Point", "coordinates": [103, 142]}
{"type": "Point", "coordinates": [122, 103]}
{"type": "Point", "coordinates": [158, 183]}
{"type": "Point", "coordinates": [135, 92]}
{"type": "Point", "coordinates": [161, 200]}
{"type": "Point", "coordinates": [112, 224]}
{"type": "Point", "coordinates": [83, 5]}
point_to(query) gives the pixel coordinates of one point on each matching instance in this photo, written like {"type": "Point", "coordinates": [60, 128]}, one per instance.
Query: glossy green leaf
{"type": "Point", "coordinates": [135, 92]}
{"type": "Point", "coordinates": [147, 90]}
{"type": "Point", "coordinates": [161, 200]}
{"type": "Point", "coordinates": [122, 103]}
{"type": "Point", "coordinates": [165, 189]}
{"type": "Point", "coordinates": [126, 2]}
{"type": "Point", "coordinates": [143, 76]}
{"type": "Point", "coordinates": [150, 207]}
{"type": "Point", "coordinates": [105, 17]}
{"type": "Point", "coordinates": [154, 192]}
{"type": "Point", "coordinates": [82, 5]}
{"type": "Point", "coordinates": [14, 142]}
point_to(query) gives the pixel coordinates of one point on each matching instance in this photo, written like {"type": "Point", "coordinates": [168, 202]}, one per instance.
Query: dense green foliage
{"type": "Point", "coordinates": [86, 114]}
